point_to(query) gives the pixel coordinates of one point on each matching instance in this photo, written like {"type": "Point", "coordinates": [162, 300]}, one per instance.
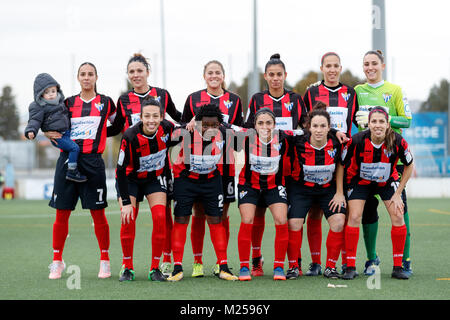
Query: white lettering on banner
{"type": "Point", "coordinates": [319, 174]}
{"type": "Point", "coordinates": [264, 165]}
{"type": "Point", "coordinates": [152, 162]}
{"type": "Point", "coordinates": [283, 123]}
{"type": "Point", "coordinates": [135, 118]}
{"type": "Point", "coordinates": [338, 117]}
{"type": "Point", "coordinates": [378, 172]}
{"type": "Point", "coordinates": [84, 127]}
{"type": "Point", "coordinates": [424, 132]}
{"type": "Point", "coordinates": [203, 164]}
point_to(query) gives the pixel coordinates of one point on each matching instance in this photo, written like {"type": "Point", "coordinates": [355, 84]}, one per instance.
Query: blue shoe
{"type": "Point", "coordinates": [369, 269]}
{"type": "Point", "coordinates": [278, 274]}
{"type": "Point", "coordinates": [407, 267]}
{"type": "Point", "coordinates": [244, 274]}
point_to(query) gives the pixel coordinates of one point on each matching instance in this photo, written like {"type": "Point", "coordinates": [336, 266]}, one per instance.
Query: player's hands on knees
{"type": "Point", "coordinates": [397, 203]}
{"type": "Point", "coordinates": [337, 202]}
{"type": "Point", "coordinates": [127, 214]}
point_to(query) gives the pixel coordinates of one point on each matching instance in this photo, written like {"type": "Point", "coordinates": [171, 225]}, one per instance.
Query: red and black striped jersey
{"type": "Point", "coordinates": [143, 158]}
{"type": "Point", "coordinates": [315, 167]}
{"type": "Point", "coordinates": [289, 109]}
{"type": "Point", "coordinates": [89, 121]}
{"type": "Point", "coordinates": [229, 103]}
{"type": "Point", "coordinates": [199, 158]}
{"type": "Point", "coordinates": [263, 166]}
{"type": "Point", "coordinates": [367, 163]}
{"type": "Point", "coordinates": [341, 104]}
{"type": "Point", "coordinates": [129, 108]}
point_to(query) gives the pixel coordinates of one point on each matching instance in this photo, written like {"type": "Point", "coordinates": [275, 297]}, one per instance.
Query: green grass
{"type": "Point", "coordinates": [26, 237]}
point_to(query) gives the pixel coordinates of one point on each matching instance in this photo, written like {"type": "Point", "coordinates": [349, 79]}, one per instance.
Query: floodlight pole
{"type": "Point", "coordinates": [253, 83]}
{"type": "Point", "coordinates": [163, 45]}
{"type": "Point", "coordinates": [379, 29]}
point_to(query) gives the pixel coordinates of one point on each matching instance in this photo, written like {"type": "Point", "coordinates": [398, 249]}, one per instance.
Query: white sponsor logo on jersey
{"type": "Point", "coordinates": [203, 164]}
{"type": "Point", "coordinates": [84, 127]}
{"type": "Point", "coordinates": [264, 165]}
{"type": "Point", "coordinates": [319, 174]}
{"type": "Point", "coordinates": [152, 162]}
{"type": "Point", "coordinates": [378, 172]}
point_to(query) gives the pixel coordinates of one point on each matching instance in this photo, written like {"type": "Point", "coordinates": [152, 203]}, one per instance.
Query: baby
{"type": "Point", "coordinates": [49, 113]}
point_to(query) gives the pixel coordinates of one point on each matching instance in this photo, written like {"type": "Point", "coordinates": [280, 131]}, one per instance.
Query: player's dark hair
{"type": "Point", "coordinates": [378, 53]}
{"type": "Point", "coordinates": [221, 67]}
{"type": "Point", "coordinates": [137, 57]}
{"type": "Point", "coordinates": [274, 60]}
{"type": "Point", "coordinates": [150, 101]}
{"type": "Point", "coordinates": [209, 110]}
{"type": "Point", "coordinates": [389, 139]}
{"type": "Point", "coordinates": [329, 54]}
{"type": "Point", "coordinates": [95, 70]}
{"type": "Point", "coordinates": [319, 109]}
{"type": "Point", "coordinates": [265, 111]}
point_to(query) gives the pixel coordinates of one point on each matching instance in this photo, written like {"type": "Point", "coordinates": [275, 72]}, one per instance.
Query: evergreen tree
{"type": "Point", "coordinates": [9, 116]}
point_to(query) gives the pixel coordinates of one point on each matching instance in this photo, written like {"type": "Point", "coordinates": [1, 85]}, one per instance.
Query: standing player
{"type": "Point", "coordinates": [140, 172]}
{"type": "Point", "coordinates": [262, 177]}
{"type": "Point", "coordinates": [377, 92]}
{"type": "Point", "coordinates": [317, 179]}
{"type": "Point", "coordinates": [231, 107]}
{"type": "Point", "coordinates": [289, 111]}
{"type": "Point", "coordinates": [128, 113]}
{"type": "Point", "coordinates": [371, 166]}
{"type": "Point", "coordinates": [89, 112]}
{"type": "Point", "coordinates": [198, 178]}
{"type": "Point", "coordinates": [342, 104]}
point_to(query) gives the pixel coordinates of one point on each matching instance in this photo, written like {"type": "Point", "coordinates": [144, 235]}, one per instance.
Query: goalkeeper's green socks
{"type": "Point", "coordinates": [408, 238]}
{"type": "Point", "coordinates": [370, 232]}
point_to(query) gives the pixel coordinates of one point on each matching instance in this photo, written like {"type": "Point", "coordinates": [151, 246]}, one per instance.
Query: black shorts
{"type": "Point", "coordinates": [229, 189]}
{"type": "Point", "coordinates": [364, 192]}
{"type": "Point", "coordinates": [247, 194]}
{"type": "Point", "coordinates": [302, 199]}
{"type": "Point", "coordinates": [209, 194]}
{"type": "Point", "coordinates": [92, 193]}
{"type": "Point", "coordinates": [169, 181]}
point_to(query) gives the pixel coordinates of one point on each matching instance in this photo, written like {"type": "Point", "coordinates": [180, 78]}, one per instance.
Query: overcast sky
{"type": "Point", "coordinates": [56, 36]}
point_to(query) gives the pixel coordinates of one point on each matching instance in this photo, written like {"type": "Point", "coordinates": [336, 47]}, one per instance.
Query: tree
{"type": "Point", "coordinates": [242, 90]}
{"type": "Point", "coordinates": [301, 85]}
{"type": "Point", "coordinates": [437, 98]}
{"type": "Point", "coordinates": [9, 117]}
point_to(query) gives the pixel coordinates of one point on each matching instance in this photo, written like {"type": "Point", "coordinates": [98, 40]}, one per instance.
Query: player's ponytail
{"type": "Point", "coordinates": [137, 57]}
{"type": "Point", "coordinates": [378, 53]}
{"type": "Point", "coordinates": [274, 60]}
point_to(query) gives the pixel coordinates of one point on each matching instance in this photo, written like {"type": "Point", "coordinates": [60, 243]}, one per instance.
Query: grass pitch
{"type": "Point", "coordinates": [26, 237]}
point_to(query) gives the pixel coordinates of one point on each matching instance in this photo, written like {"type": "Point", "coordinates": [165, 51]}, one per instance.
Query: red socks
{"type": "Point", "coordinates": [335, 241]}
{"type": "Point", "coordinates": [158, 233]}
{"type": "Point", "coordinates": [127, 236]}
{"type": "Point", "coordinates": [167, 251]}
{"type": "Point", "coordinates": [398, 236]}
{"type": "Point", "coordinates": [294, 245]}
{"type": "Point", "coordinates": [60, 231]}
{"type": "Point", "coordinates": [219, 241]}
{"type": "Point", "coordinates": [281, 244]}
{"type": "Point", "coordinates": [259, 223]}
{"type": "Point", "coordinates": [197, 236]}
{"type": "Point", "coordinates": [314, 234]}
{"type": "Point", "coordinates": [101, 228]}
{"type": "Point", "coordinates": [351, 244]}
{"type": "Point", "coordinates": [178, 242]}
{"type": "Point", "coordinates": [245, 244]}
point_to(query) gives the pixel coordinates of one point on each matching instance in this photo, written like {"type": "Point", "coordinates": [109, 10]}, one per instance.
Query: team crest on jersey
{"type": "Point", "coordinates": [228, 103]}
{"type": "Point", "coordinates": [387, 97]}
{"type": "Point", "coordinates": [277, 146]}
{"type": "Point", "coordinates": [158, 98]}
{"type": "Point", "coordinates": [345, 96]}
{"type": "Point", "coordinates": [242, 194]}
{"type": "Point", "coordinates": [220, 144]}
{"type": "Point", "coordinates": [288, 106]}
{"type": "Point", "coordinates": [387, 153]}
{"type": "Point", "coordinates": [332, 153]}
{"type": "Point", "coordinates": [99, 106]}
{"type": "Point", "coordinates": [165, 137]}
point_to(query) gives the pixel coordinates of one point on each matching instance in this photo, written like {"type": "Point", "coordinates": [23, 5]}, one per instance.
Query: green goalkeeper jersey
{"type": "Point", "coordinates": [389, 96]}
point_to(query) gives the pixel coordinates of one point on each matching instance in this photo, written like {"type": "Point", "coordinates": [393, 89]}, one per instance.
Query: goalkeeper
{"type": "Point", "coordinates": [377, 92]}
